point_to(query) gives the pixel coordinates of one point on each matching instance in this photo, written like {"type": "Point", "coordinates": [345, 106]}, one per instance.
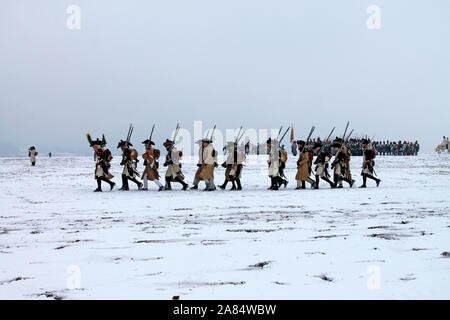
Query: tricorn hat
{"type": "Point", "coordinates": [148, 141]}
{"type": "Point", "coordinates": [301, 142]}
{"type": "Point", "coordinates": [365, 141]}
{"type": "Point", "coordinates": [97, 142]}
{"type": "Point", "coordinates": [168, 143]}
{"type": "Point", "coordinates": [32, 148]}
{"type": "Point", "coordinates": [317, 145]}
{"type": "Point", "coordinates": [124, 143]}
{"type": "Point", "coordinates": [208, 140]}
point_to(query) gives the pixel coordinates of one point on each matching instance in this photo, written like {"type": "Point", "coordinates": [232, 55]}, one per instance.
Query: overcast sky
{"type": "Point", "coordinates": [259, 63]}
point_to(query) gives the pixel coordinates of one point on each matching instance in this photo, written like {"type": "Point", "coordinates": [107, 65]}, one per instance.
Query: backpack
{"type": "Point", "coordinates": [107, 155]}
{"type": "Point", "coordinates": [134, 154]}
{"type": "Point", "coordinates": [283, 156]}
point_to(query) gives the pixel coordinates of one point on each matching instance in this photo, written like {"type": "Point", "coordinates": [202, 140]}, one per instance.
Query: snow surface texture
{"type": "Point", "coordinates": [59, 240]}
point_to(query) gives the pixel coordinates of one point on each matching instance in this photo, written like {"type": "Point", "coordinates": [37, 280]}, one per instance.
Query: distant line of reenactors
{"type": "Point", "coordinates": [207, 163]}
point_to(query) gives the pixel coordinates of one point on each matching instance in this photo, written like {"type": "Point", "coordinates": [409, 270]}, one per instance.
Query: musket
{"type": "Point", "coordinates": [279, 131]}
{"type": "Point", "coordinates": [151, 133]}
{"type": "Point", "coordinates": [329, 136]}
{"type": "Point", "coordinates": [307, 139]}
{"type": "Point", "coordinates": [177, 129]}
{"type": "Point", "coordinates": [130, 132]}
{"type": "Point", "coordinates": [310, 134]}
{"type": "Point", "coordinates": [323, 144]}
{"type": "Point", "coordinates": [284, 135]}
{"type": "Point", "coordinates": [348, 122]}
{"type": "Point", "coordinates": [238, 137]}
{"type": "Point", "coordinates": [348, 137]}
{"type": "Point", "coordinates": [212, 133]}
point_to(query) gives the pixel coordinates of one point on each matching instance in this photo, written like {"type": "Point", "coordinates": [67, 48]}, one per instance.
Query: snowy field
{"type": "Point", "coordinates": [59, 240]}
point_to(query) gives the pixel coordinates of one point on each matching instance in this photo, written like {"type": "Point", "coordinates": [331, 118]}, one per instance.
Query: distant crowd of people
{"type": "Point", "coordinates": [383, 148]}
{"type": "Point", "coordinates": [400, 148]}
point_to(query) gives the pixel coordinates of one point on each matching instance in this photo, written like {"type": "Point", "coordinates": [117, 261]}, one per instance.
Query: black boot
{"type": "Point", "coordinates": [332, 185]}
{"type": "Point", "coordinates": [316, 184]}
{"type": "Point", "coordinates": [139, 184]}
{"type": "Point", "coordinates": [364, 181]}
{"type": "Point", "coordinates": [234, 185]}
{"type": "Point", "coordinates": [224, 185]}
{"type": "Point", "coordinates": [336, 180]}
{"type": "Point", "coordinates": [271, 184]}
{"type": "Point", "coordinates": [111, 184]}
{"type": "Point", "coordinates": [124, 183]}
{"type": "Point", "coordinates": [377, 181]}
{"type": "Point", "coordinates": [282, 182]}
{"type": "Point", "coordinates": [350, 182]}
{"type": "Point", "coordinates": [168, 186]}
{"type": "Point", "coordinates": [99, 185]}
{"type": "Point", "coordinates": [238, 182]}
{"type": "Point", "coordinates": [184, 184]}
{"type": "Point", "coordinates": [275, 184]}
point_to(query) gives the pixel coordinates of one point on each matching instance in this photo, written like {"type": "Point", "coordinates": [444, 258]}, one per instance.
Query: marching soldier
{"type": "Point", "coordinates": [173, 165]}
{"type": "Point", "coordinates": [233, 165]}
{"type": "Point", "coordinates": [276, 162]}
{"type": "Point", "coordinates": [341, 164]}
{"type": "Point", "coordinates": [303, 166]}
{"type": "Point", "coordinates": [368, 163]}
{"type": "Point", "coordinates": [151, 165]}
{"type": "Point", "coordinates": [129, 163]}
{"type": "Point", "coordinates": [206, 164]}
{"type": "Point", "coordinates": [103, 159]}
{"type": "Point", "coordinates": [322, 165]}
{"type": "Point", "coordinates": [32, 153]}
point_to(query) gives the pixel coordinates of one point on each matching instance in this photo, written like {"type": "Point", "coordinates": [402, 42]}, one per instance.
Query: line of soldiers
{"type": "Point", "coordinates": [130, 162]}
{"type": "Point", "coordinates": [206, 165]}
{"type": "Point", "coordinates": [340, 165]}
{"type": "Point", "coordinates": [398, 148]}
{"type": "Point", "coordinates": [233, 164]}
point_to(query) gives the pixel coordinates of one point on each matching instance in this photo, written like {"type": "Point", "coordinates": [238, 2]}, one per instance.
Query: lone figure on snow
{"type": "Point", "coordinates": [32, 153]}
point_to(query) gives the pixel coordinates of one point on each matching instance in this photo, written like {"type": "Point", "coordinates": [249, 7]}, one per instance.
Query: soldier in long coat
{"type": "Point", "coordinates": [321, 163]}
{"type": "Point", "coordinates": [207, 161]}
{"type": "Point", "coordinates": [368, 163]}
{"type": "Point", "coordinates": [303, 165]}
{"type": "Point", "coordinates": [32, 153]}
{"type": "Point", "coordinates": [173, 165]}
{"type": "Point", "coordinates": [233, 164]}
{"type": "Point", "coordinates": [129, 163]}
{"type": "Point", "coordinates": [103, 159]}
{"type": "Point", "coordinates": [341, 164]}
{"type": "Point", "coordinates": [276, 165]}
{"type": "Point", "coordinates": [151, 165]}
